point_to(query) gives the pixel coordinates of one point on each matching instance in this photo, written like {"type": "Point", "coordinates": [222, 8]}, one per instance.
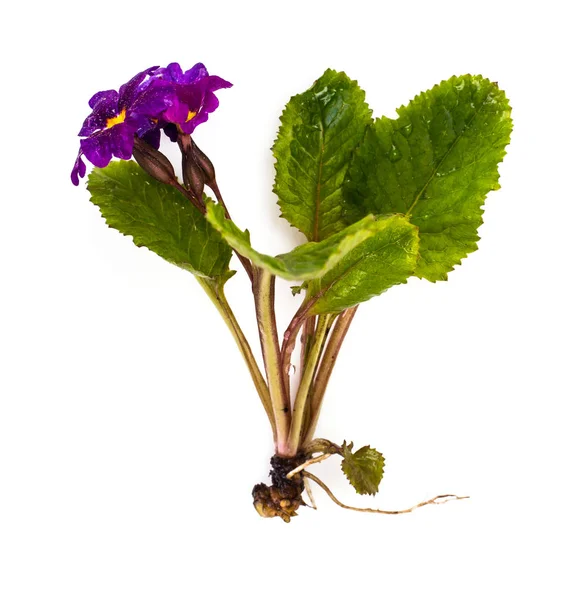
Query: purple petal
{"type": "Point", "coordinates": [111, 96]}
{"type": "Point", "coordinates": [209, 106]}
{"type": "Point", "coordinates": [121, 137]}
{"type": "Point", "coordinates": [141, 124]}
{"type": "Point", "coordinates": [97, 148]}
{"type": "Point", "coordinates": [127, 91]}
{"type": "Point", "coordinates": [104, 107]}
{"type": "Point", "coordinates": [173, 72]}
{"type": "Point", "coordinates": [200, 118]}
{"type": "Point", "coordinates": [92, 124]}
{"type": "Point", "coordinates": [154, 99]}
{"type": "Point", "coordinates": [192, 94]}
{"type": "Point", "coordinates": [176, 113]}
{"type": "Point", "coordinates": [210, 103]}
{"type": "Point", "coordinates": [79, 169]}
{"type": "Point", "coordinates": [217, 83]}
{"type": "Point", "coordinates": [196, 72]}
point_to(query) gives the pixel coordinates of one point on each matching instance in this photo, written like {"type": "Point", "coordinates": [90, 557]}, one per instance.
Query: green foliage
{"type": "Point", "coordinates": [307, 261]}
{"type": "Point", "coordinates": [385, 259]}
{"type": "Point", "coordinates": [319, 130]}
{"type": "Point", "coordinates": [158, 217]}
{"type": "Point", "coordinates": [363, 469]}
{"type": "Point", "coordinates": [352, 266]}
{"type": "Point", "coordinates": [435, 163]}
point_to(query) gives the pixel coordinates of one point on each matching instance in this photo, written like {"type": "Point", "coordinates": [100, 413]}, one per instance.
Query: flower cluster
{"type": "Point", "coordinates": [155, 99]}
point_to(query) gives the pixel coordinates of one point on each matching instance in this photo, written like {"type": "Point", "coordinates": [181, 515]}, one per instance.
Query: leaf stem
{"type": "Point", "coordinates": [305, 384]}
{"type": "Point", "coordinates": [263, 287]}
{"type": "Point", "coordinates": [245, 261]}
{"type": "Point", "coordinates": [306, 339]}
{"type": "Point", "coordinates": [215, 292]}
{"type": "Point", "coordinates": [326, 369]}
{"type": "Point", "coordinates": [290, 338]}
{"type": "Point", "coordinates": [442, 499]}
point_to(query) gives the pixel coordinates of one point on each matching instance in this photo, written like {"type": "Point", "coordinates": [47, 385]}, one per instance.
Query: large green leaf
{"type": "Point", "coordinates": [436, 162]}
{"type": "Point", "coordinates": [158, 217]}
{"type": "Point", "coordinates": [306, 262]}
{"type": "Point", "coordinates": [363, 469]}
{"type": "Point", "coordinates": [319, 131]}
{"type": "Point", "coordinates": [361, 261]}
{"type": "Point", "coordinates": [385, 259]}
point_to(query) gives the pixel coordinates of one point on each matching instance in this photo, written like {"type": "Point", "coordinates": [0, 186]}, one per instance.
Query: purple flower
{"type": "Point", "coordinates": [118, 116]}
{"type": "Point", "coordinates": [154, 99]}
{"type": "Point", "coordinates": [194, 91]}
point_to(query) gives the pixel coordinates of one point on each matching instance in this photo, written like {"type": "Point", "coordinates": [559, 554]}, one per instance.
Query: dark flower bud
{"type": "Point", "coordinates": [194, 179]}
{"type": "Point", "coordinates": [205, 164]}
{"type": "Point", "coordinates": [153, 162]}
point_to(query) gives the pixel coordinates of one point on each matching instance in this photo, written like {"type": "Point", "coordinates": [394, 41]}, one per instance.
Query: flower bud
{"type": "Point", "coordinates": [205, 164]}
{"type": "Point", "coordinates": [153, 162]}
{"type": "Point", "coordinates": [194, 179]}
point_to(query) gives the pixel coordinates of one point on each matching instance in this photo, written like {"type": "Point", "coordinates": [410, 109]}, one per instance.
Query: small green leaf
{"type": "Point", "coordinates": [297, 289]}
{"type": "Point", "coordinates": [435, 163]}
{"type": "Point", "coordinates": [158, 217]}
{"type": "Point", "coordinates": [319, 130]}
{"type": "Point", "coordinates": [363, 469]}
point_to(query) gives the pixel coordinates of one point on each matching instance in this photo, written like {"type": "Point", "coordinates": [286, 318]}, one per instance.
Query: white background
{"type": "Point", "coordinates": [130, 436]}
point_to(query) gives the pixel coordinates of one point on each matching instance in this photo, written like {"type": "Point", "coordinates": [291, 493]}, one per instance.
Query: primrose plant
{"type": "Point", "coordinates": [378, 201]}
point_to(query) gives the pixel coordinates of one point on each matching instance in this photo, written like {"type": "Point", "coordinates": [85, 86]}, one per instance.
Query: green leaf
{"type": "Point", "coordinates": [158, 217]}
{"type": "Point", "coordinates": [363, 469]}
{"type": "Point", "coordinates": [305, 262]}
{"type": "Point", "coordinates": [352, 266]}
{"type": "Point", "coordinates": [319, 131]}
{"type": "Point", "coordinates": [435, 163]}
{"type": "Point", "coordinates": [385, 259]}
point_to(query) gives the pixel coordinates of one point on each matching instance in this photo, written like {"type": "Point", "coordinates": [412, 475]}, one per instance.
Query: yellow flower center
{"type": "Point", "coordinates": [116, 120]}
{"type": "Point", "coordinates": [191, 115]}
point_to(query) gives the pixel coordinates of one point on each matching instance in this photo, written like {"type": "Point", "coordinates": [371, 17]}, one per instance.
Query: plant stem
{"type": "Point", "coordinates": [305, 384]}
{"type": "Point", "coordinates": [326, 369]}
{"type": "Point", "coordinates": [308, 408]}
{"type": "Point", "coordinates": [187, 146]}
{"type": "Point", "coordinates": [263, 288]}
{"type": "Point", "coordinates": [215, 292]}
{"type": "Point", "coordinates": [245, 261]}
{"type": "Point", "coordinates": [306, 340]}
{"type": "Point", "coordinates": [310, 324]}
{"type": "Point", "coordinates": [289, 340]}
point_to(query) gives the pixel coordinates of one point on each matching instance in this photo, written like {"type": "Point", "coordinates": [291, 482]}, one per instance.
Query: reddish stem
{"type": "Point", "coordinates": [326, 367]}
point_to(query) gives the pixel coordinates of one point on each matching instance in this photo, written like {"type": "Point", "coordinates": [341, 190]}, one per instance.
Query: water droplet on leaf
{"type": "Point", "coordinates": [407, 129]}
{"type": "Point", "coordinates": [394, 153]}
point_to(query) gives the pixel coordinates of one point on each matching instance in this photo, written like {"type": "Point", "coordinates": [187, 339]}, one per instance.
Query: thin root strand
{"type": "Point", "coordinates": [308, 463]}
{"type": "Point", "coordinates": [310, 494]}
{"type": "Point", "coordinates": [441, 499]}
